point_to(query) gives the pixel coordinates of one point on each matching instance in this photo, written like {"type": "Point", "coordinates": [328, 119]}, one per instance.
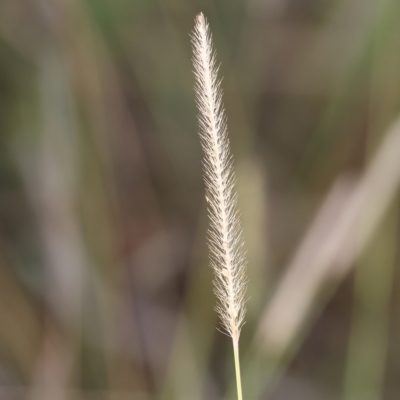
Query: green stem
{"type": "Point", "coordinates": [237, 369]}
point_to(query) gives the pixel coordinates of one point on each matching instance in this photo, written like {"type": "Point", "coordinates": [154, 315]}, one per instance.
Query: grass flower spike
{"type": "Point", "coordinates": [225, 238]}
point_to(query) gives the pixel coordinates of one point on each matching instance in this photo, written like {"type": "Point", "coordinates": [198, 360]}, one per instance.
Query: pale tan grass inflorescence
{"type": "Point", "coordinates": [225, 238]}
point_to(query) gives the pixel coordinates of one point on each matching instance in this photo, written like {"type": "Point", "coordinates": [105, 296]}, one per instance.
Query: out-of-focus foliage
{"type": "Point", "coordinates": [105, 289]}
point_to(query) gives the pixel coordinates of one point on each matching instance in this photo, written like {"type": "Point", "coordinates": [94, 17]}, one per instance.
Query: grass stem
{"type": "Point", "coordinates": [237, 369]}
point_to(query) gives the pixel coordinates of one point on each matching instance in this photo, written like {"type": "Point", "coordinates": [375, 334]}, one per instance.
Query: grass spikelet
{"type": "Point", "coordinates": [225, 236]}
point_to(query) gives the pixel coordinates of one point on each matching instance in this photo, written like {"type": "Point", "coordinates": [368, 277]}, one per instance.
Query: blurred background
{"type": "Point", "coordinates": [105, 288]}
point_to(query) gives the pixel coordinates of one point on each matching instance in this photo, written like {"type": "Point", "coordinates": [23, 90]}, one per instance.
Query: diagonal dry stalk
{"type": "Point", "coordinates": [225, 237]}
